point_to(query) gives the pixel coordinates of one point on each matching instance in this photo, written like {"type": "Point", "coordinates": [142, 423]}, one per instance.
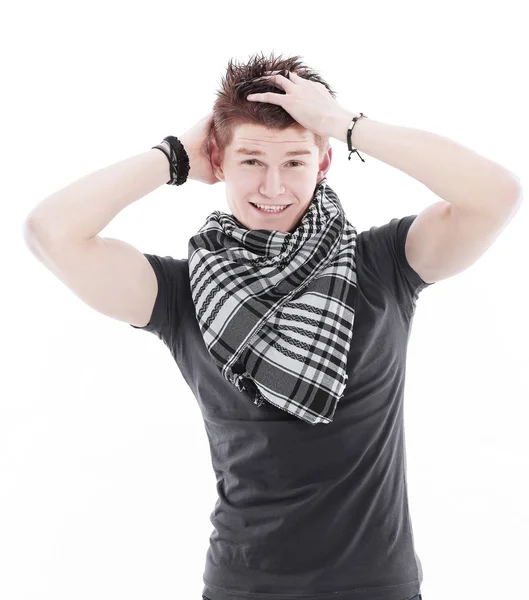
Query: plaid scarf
{"type": "Point", "coordinates": [276, 309]}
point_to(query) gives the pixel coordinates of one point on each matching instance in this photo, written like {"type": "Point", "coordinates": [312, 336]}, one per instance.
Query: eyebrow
{"type": "Point", "coordinates": [250, 152]}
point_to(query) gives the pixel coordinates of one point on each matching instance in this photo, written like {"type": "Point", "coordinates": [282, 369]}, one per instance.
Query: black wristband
{"type": "Point", "coordinates": [178, 160]}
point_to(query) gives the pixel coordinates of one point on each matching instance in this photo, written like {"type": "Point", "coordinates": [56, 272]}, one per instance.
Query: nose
{"type": "Point", "coordinates": [271, 185]}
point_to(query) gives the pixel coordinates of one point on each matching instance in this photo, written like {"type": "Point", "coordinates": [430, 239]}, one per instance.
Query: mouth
{"type": "Point", "coordinates": [270, 213]}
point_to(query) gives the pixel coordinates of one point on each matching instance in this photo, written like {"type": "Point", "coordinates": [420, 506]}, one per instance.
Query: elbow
{"type": "Point", "coordinates": [31, 229]}
{"type": "Point", "coordinates": [31, 234]}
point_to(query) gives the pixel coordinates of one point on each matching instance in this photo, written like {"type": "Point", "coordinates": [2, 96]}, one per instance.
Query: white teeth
{"type": "Point", "coordinates": [271, 209]}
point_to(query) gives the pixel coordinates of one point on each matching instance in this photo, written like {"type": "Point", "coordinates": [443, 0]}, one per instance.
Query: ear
{"type": "Point", "coordinates": [216, 159]}
{"type": "Point", "coordinates": [325, 164]}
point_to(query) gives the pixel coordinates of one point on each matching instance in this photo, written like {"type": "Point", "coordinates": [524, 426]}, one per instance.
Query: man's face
{"type": "Point", "coordinates": [273, 178]}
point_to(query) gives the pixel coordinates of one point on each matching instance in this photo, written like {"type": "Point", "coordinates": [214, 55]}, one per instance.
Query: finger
{"type": "Point", "coordinates": [266, 97]}
{"type": "Point", "coordinates": [265, 77]}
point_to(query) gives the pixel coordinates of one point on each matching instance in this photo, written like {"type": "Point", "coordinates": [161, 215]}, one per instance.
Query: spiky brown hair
{"type": "Point", "coordinates": [231, 108]}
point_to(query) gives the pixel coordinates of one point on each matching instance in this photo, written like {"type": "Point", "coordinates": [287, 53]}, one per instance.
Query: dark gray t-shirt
{"type": "Point", "coordinates": [313, 512]}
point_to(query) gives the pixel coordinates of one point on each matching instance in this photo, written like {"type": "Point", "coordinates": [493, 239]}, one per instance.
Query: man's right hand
{"type": "Point", "coordinates": [196, 144]}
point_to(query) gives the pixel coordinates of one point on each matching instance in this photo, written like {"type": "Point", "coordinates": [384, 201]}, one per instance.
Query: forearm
{"type": "Point", "coordinates": [86, 206]}
{"type": "Point", "coordinates": [453, 172]}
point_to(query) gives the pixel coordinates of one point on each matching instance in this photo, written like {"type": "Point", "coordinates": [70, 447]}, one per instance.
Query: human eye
{"type": "Point", "coordinates": [252, 160]}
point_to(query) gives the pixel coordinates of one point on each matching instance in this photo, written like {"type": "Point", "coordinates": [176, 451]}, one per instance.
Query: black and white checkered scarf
{"type": "Point", "coordinates": [276, 309]}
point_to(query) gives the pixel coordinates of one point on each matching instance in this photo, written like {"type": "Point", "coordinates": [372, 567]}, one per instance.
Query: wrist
{"type": "Point", "coordinates": [178, 158]}
{"type": "Point", "coordinates": [338, 124]}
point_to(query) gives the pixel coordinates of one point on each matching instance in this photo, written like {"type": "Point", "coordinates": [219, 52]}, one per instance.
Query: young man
{"type": "Point", "coordinates": [317, 510]}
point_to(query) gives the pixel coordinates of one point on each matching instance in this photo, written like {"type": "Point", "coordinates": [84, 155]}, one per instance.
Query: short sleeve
{"type": "Point", "coordinates": [385, 250]}
{"type": "Point", "coordinates": [171, 274]}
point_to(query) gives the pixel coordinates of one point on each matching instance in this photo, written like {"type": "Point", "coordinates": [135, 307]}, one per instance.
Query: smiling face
{"type": "Point", "coordinates": [270, 167]}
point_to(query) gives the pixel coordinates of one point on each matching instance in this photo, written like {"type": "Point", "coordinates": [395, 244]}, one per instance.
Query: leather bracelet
{"type": "Point", "coordinates": [349, 133]}
{"type": "Point", "coordinates": [178, 160]}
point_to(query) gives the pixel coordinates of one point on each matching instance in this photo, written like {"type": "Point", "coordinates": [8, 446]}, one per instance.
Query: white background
{"type": "Point", "coordinates": [106, 484]}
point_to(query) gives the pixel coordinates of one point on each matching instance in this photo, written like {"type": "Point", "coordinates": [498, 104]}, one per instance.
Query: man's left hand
{"type": "Point", "coordinates": [308, 102]}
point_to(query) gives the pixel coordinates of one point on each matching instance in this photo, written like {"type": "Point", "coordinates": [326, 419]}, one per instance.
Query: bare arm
{"type": "Point", "coordinates": [109, 275]}
{"type": "Point", "coordinates": [85, 207]}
